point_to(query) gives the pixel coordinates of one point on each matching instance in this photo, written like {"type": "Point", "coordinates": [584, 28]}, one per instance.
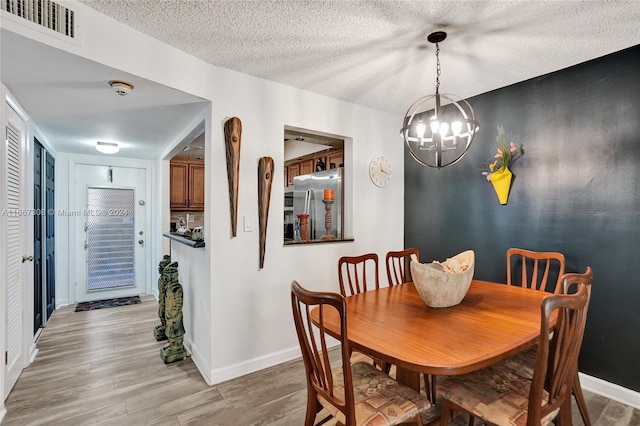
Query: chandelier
{"type": "Point", "coordinates": [438, 129]}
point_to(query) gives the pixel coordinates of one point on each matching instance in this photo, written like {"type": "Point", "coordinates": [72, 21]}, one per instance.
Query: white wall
{"type": "Point", "coordinates": [252, 320]}
{"type": "Point", "coordinates": [240, 315]}
{"type": "Point", "coordinates": [194, 265]}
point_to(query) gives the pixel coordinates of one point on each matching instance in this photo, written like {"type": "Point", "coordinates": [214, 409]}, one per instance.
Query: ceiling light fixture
{"type": "Point", "coordinates": [122, 88]}
{"type": "Point", "coordinates": [450, 120]}
{"type": "Point", "coordinates": [107, 147]}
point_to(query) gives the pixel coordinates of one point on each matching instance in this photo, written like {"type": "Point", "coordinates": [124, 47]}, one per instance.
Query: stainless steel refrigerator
{"type": "Point", "coordinates": [308, 192]}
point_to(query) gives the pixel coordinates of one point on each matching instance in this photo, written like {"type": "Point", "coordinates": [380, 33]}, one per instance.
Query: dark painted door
{"type": "Point", "coordinates": [50, 274]}
{"type": "Point", "coordinates": [38, 220]}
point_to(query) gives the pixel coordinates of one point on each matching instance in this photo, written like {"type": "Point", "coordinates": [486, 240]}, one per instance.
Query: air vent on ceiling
{"type": "Point", "coordinates": [45, 13]}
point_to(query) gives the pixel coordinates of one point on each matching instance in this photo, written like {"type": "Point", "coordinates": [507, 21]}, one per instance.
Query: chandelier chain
{"type": "Point", "coordinates": [437, 68]}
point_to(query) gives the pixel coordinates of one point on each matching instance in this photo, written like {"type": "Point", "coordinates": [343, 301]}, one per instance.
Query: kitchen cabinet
{"type": "Point", "coordinates": [307, 166]}
{"type": "Point", "coordinates": [335, 159]}
{"type": "Point", "coordinates": [331, 160]}
{"type": "Point", "coordinates": [293, 170]}
{"type": "Point", "coordinates": [187, 185]}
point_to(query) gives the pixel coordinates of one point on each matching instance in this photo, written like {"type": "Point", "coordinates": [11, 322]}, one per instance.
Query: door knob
{"type": "Point", "coordinates": [141, 242]}
{"type": "Point", "coordinates": [27, 259]}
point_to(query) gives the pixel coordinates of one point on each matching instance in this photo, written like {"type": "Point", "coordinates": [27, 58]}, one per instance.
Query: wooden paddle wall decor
{"type": "Point", "coordinates": [232, 138]}
{"type": "Point", "coordinates": [265, 179]}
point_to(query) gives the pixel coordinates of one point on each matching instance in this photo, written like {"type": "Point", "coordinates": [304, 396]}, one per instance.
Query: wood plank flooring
{"type": "Point", "coordinates": [103, 367]}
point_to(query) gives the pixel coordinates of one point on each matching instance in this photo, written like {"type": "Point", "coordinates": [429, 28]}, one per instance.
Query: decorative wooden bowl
{"type": "Point", "coordinates": [440, 289]}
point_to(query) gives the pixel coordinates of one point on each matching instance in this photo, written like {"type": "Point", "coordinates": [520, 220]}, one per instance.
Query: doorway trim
{"type": "Point", "coordinates": [67, 296]}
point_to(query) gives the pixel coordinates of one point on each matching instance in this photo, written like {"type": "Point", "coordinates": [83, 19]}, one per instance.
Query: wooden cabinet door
{"type": "Point", "coordinates": [335, 159]}
{"type": "Point", "coordinates": [179, 181]}
{"type": "Point", "coordinates": [196, 187]}
{"type": "Point", "coordinates": [306, 167]}
{"type": "Point", "coordinates": [293, 170]}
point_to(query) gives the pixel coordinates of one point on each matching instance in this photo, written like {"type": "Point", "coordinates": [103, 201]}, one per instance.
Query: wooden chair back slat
{"type": "Point", "coordinates": [531, 263]}
{"type": "Point", "coordinates": [355, 270]}
{"type": "Point", "coordinates": [398, 265]}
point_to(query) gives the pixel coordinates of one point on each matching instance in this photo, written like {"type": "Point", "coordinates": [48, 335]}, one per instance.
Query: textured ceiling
{"type": "Point", "coordinates": [375, 53]}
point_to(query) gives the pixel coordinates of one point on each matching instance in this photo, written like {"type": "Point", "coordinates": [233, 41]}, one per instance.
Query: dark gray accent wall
{"type": "Point", "coordinates": [576, 190]}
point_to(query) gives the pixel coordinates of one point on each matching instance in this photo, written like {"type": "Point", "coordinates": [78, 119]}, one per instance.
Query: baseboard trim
{"type": "Point", "coordinates": [233, 371]}
{"type": "Point", "coordinates": [3, 412]}
{"type": "Point", "coordinates": [198, 360]}
{"type": "Point", "coordinates": [33, 352]}
{"type": "Point", "coordinates": [610, 390]}
{"type": "Point", "coordinates": [218, 375]}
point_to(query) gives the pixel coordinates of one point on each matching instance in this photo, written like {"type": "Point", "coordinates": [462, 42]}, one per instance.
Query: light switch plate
{"type": "Point", "coordinates": [247, 223]}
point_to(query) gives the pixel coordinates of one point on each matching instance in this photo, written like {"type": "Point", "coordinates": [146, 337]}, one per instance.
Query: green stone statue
{"type": "Point", "coordinates": [174, 327]}
{"type": "Point", "coordinates": [158, 331]}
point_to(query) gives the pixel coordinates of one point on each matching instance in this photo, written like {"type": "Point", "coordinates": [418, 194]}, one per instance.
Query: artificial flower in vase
{"type": "Point", "coordinates": [500, 176]}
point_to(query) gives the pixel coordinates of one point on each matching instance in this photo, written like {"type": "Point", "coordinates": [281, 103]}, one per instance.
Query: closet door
{"type": "Point", "coordinates": [38, 224]}
{"type": "Point", "coordinates": [44, 285]}
{"type": "Point", "coordinates": [14, 223]}
{"type": "Point", "coordinates": [49, 234]}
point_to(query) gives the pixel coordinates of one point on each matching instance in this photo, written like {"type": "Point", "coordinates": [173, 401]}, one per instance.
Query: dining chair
{"type": "Point", "coordinates": [527, 358]}
{"type": "Point", "coordinates": [399, 265]}
{"type": "Point", "coordinates": [569, 281]}
{"type": "Point", "coordinates": [352, 276]}
{"type": "Point", "coordinates": [534, 268]}
{"type": "Point", "coordinates": [506, 393]}
{"type": "Point", "coordinates": [354, 394]}
{"type": "Point", "coordinates": [353, 272]}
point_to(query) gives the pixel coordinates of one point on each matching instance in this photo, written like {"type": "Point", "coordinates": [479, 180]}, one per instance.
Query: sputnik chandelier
{"type": "Point", "coordinates": [438, 129]}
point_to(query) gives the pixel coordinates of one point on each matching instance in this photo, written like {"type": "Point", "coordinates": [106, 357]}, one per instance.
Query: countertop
{"type": "Point", "coordinates": [184, 239]}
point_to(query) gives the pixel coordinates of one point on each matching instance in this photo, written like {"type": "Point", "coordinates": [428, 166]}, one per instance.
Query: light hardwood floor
{"type": "Point", "coordinates": [104, 367]}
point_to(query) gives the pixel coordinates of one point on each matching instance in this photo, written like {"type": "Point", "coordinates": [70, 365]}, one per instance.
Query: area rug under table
{"type": "Point", "coordinates": [108, 303]}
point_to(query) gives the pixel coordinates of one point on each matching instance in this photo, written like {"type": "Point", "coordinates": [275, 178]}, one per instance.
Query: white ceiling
{"type": "Point", "coordinates": [72, 104]}
{"type": "Point", "coordinates": [372, 53]}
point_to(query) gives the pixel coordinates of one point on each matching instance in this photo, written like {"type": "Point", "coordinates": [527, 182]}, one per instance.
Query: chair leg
{"type": "Point", "coordinates": [417, 420]}
{"type": "Point", "coordinates": [472, 420]}
{"type": "Point", "coordinates": [313, 408]}
{"type": "Point", "coordinates": [582, 405]}
{"type": "Point", "coordinates": [565, 413]}
{"type": "Point", "coordinates": [445, 416]}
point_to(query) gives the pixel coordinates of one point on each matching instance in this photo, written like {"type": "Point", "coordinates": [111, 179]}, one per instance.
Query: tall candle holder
{"type": "Point", "coordinates": [327, 221]}
{"type": "Point", "coordinates": [304, 227]}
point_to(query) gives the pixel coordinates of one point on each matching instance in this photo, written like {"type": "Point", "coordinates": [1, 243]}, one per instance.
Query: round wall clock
{"type": "Point", "coordinates": [380, 171]}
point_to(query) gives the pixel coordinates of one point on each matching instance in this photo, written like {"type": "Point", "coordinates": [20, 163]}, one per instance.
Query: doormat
{"type": "Point", "coordinates": [108, 303]}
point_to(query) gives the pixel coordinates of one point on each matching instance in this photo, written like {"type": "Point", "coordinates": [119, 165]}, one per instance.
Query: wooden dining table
{"type": "Point", "coordinates": [493, 322]}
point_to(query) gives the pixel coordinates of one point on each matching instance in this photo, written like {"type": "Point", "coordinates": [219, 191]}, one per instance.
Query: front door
{"type": "Point", "coordinates": [110, 232]}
